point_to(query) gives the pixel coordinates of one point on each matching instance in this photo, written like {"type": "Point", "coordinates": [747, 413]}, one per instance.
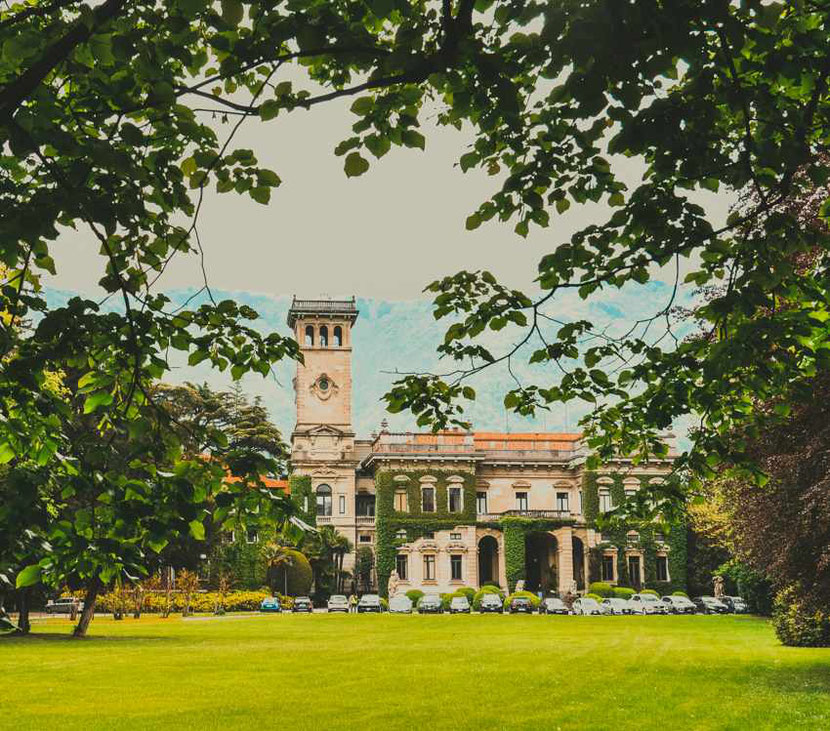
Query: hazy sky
{"type": "Point", "coordinates": [382, 236]}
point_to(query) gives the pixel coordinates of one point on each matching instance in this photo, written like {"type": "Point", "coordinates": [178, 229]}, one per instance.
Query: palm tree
{"type": "Point", "coordinates": [277, 555]}
{"type": "Point", "coordinates": [340, 547]}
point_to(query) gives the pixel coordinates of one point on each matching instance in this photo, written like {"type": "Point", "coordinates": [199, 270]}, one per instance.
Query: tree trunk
{"type": "Point", "coordinates": [23, 623]}
{"type": "Point", "coordinates": [89, 608]}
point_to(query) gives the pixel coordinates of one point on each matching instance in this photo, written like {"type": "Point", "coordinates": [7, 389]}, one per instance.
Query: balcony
{"type": "Point", "coordinates": [323, 519]}
{"type": "Point", "coordinates": [532, 514]}
{"type": "Point", "coordinates": [365, 520]}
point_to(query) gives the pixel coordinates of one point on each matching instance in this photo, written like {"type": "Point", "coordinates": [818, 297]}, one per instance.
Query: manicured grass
{"type": "Point", "coordinates": [405, 672]}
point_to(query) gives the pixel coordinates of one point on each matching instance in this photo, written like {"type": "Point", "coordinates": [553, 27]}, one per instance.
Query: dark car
{"type": "Point", "coordinates": [303, 604]}
{"type": "Point", "coordinates": [430, 604]}
{"type": "Point", "coordinates": [678, 604]}
{"type": "Point", "coordinates": [519, 604]}
{"type": "Point", "coordinates": [709, 605]}
{"type": "Point", "coordinates": [735, 604]}
{"type": "Point", "coordinates": [552, 605]}
{"type": "Point", "coordinates": [491, 603]}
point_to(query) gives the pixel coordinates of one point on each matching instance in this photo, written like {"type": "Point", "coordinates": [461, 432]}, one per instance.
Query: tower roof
{"type": "Point", "coordinates": [344, 309]}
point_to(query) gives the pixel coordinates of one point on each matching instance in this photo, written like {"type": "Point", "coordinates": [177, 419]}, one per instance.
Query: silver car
{"type": "Point", "coordinates": [338, 603]}
{"type": "Point", "coordinates": [400, 604]}
{"type": "Point", "coordinates": [647, 604]}
{"type": "Point", "coordinates": [585, 606]}
{"type": "Point", "coordinates": [614, 605]}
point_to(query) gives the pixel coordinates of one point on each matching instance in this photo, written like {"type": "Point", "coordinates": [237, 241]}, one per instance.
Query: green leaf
{"type": "Point", "coordinates": [232, 11]}
{"type": "Point", "coordinates": [473, 222]}
{"type": "Point", "coordinates": [97, 399]}
{"type": "Point", "coordinates": [261, 194]}
{"type": "Point", "coordinates": [28, 576]}
{"type": "Point", "coordinates": [413, 138]}
{"type": "Point", "coordinates": [362, 106]}
{"type": "Point", "coordinates": [355, 165]}
{"type": "Point", "coordinates": [562, 205]}
{"type": "Point", "coordinates": [6, 453]}
{"type": "Point", "coordinates": [197, 530]}
{"type": "Point", "coordinates": [269, 109]}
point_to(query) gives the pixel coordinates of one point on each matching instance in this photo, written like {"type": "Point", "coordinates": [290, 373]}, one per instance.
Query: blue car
{"type": "Point", "coordinates": [270, 604]}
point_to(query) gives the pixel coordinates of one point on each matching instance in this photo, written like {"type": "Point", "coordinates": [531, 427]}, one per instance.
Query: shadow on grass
{"type": "Point", "coordinates": [812, 678]}
{"type": "Point", "coordinates": [59, 638]}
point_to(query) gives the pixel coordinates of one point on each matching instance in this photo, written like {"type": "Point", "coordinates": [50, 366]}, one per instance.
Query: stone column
{"type": "Point", "coordinates": [564, 540]}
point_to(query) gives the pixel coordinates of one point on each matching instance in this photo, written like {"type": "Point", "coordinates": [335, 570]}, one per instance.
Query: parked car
{"type": "Point", "coordinates": [614, 605]}
{"type": "Point", "coordinates": [64, 605]}
{"type": "Point", "coordinates": [460, 605]}
{"type": "Point", "coordinates": [303, 604]}
{"type": "Point", "coordinates": [586, 605]}
{"type": "Point", "coordinates": [679, 604]}
{"type": "Point", "coordinates": [430, 604]}
{"type": "Point", "coordinates": [369, 603]}
{"type": "Point", "coordinates": [552, 605]}
{"type": "Point", "coordinates": [338, 603]}
{"type": "Point", "coordinates": [270, 604]}
{"type": "Point", "coordinates": [400, 604]}
{"type": "Point", "coordinates": [709, 605]}
{"type": "Point", "coordinates": [735, 604]}
{"type": "Point", "coordinates": [491, 603]}
{"type": "Point", "coordinates": [647, 604]}
{"type": "Point", "coordinates": [520, 604]}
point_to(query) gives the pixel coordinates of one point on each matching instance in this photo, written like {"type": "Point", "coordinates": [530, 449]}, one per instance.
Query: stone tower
{"type": "Point", "coordinates": [322, 443]}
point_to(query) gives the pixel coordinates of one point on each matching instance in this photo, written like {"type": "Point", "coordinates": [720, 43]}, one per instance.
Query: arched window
{"type": "Point", "coordinates": [309, 334]}
{"type": "Point", "coordinates": [324, 337]}
{"type": "Point", "coordinates": [323, 500]}
{"type": "Point", "coordinates": [338, 336]}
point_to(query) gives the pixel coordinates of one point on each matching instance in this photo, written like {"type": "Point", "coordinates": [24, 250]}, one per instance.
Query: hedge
{"type": "Point", "coordinates": [650, 591]}
{"type": "Point", "coordinates": [680, 593]}
{"type": "Point", "coordinates": [156, 602]}
{"type": "Point", "coordinates": [534, 600]}
{"type": "Point", "coordinates": [601, 588]}
{"type": "Point", "coordinates": [623, 592]}
{"type": "Point", "coordinates": [596, 597]}
{"type": "Point", "coordinates": [298, 581]}
{"type": "Point", "coordinates": [797, 625]}
{"type": "Point", "coordinates": [415, 595]}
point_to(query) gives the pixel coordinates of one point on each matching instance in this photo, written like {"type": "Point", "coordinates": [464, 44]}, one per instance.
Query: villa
{"type": "Point", "coordinates": [461, 509]}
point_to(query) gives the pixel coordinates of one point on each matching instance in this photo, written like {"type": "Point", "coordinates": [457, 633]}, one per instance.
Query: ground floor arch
{"type": "Point", "coordinates": [488, 561]}
{"type": "Point", "coordinates": [541, 561]}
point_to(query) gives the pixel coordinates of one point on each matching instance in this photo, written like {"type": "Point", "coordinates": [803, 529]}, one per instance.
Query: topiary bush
{"type": "Point", "coordinates": [798, 625]}
{"type": "Point", "coordinates": [466, 591]}
{"type": "Point", "coordinates": [650, 591]}
{"type": "Point", "coordinates": [415, 595]}
{"type": "Point", "coordinates": [623, 592]}
{"type": "Point", "coordinates": [596, 597]}
{"type": "Point", "coordinates": [534, 600]}
{"type": "Point", "coordinates": [601, 588]}
{"type": "Point", "coordinates": [292, 578]}
{"type": "Point", "coordinates": [680, 593]}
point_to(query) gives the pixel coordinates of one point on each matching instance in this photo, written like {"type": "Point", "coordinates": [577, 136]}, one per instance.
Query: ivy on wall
{"type": "Point", "coordinates": [617, 537]}
{"type": "Point", "coordinates": [388, 521]}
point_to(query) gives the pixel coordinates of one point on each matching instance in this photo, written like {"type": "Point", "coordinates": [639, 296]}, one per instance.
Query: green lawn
{"type": "Point", "coordinates": [402, 672]}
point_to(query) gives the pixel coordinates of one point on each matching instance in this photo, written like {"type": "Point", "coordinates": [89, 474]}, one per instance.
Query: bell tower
{"type": "Point", "coordinates": [323, 384]}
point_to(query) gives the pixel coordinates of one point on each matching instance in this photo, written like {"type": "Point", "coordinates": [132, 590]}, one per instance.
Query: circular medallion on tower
{"type": "Point", "coordinates": [323, 387]}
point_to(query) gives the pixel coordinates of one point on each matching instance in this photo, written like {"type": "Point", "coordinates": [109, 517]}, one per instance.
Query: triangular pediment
{"type": "Point", "coordinates": [324, 430]}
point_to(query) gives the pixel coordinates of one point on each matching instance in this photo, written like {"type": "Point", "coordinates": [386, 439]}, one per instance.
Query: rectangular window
{"type": "Point", "coordinates": [634, 571]}
{"type": "Point", "coordinates": [342, 505]}
{"type": "Point", "coordinates": [581, 509]}
{"type": "Point", "coordinates": [608, 568]}
{"type": "Point", "coordinates": [365, 505]}
{"type": "Point", "coordinates": [455, 568]}
{"type": "Point", "coordinates": [402, 566]}
{"type": "Point", "coordinates": [562, 500]}
{"type": "Point", "coordinates": [401, 503]}
{"type": "Point", "coordinates": [481, 502]}
{"type": "Point", "coordinates": [428, 499]}
{"type": "Point", "coordinates": [521, 501]}
{"type": "Point", "coordinates": [455, 499]}
{"type": "Point", "coordinates": [252, 536]}
{"type": "Point", "coordinates": [429, 568]}
{"type": "Point", "coordinates": [455, 536]}
{"type": "Point", "coordinates": [605, 500]}
{"type": "Point", "coordinates": [429, 534]}
{"type": "Point", "coordinates": [662, 568]}
{"type": "Point", "coordinates": [365, 538]}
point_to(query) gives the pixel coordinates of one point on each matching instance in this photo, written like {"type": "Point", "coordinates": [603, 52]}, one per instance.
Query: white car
{"type": "Point", "coordinates": [647, 604]}
{"type": "Point", "coordinates": [400, 604]}
{"type": "Point", "coordinates": [586, 605]}
{"type": "Point", "coordinates": [338, 603]}
{"type": "Point", "coordinates": [459, 605]}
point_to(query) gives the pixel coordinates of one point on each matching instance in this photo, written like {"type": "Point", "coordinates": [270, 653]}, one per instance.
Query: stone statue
{"type": "Point", "coordinates": [520, 585]}
{"type": "Point", "coordinates": [718, 587]}
{"type": "Point", "coordinates": [393, 583]}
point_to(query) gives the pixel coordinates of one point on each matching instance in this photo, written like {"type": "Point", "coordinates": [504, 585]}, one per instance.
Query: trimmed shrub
{"type": "Point", "coordinates": [481, 593]}
{"type": "Point", "coordinates": [208, 601]}
{"type": "Point", "coordinates": [680, 593]}
{"type": "Point", "coordinates": [466, 591]}
{"type": "Point", "coordinates": [494, 587]}
{"type": "Point", "coordinates": [295, 578]}
{"type": "Point", "coordinates": [534, 600]}
{"type": "Point", "coordinates": [384, 604]}
{"type": "Point", "coordinates": [650, 591]}
{"type": "Point", "coordinates": [415, 595]}
{"type": "Point", "coordinates": [623, 592]}
{"type": "Point", "coordinates": [796, 624]}
{"type": "Point", "coordinates": [601, 588]}
{"type": "Point", "coordinates": [596, 597]}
